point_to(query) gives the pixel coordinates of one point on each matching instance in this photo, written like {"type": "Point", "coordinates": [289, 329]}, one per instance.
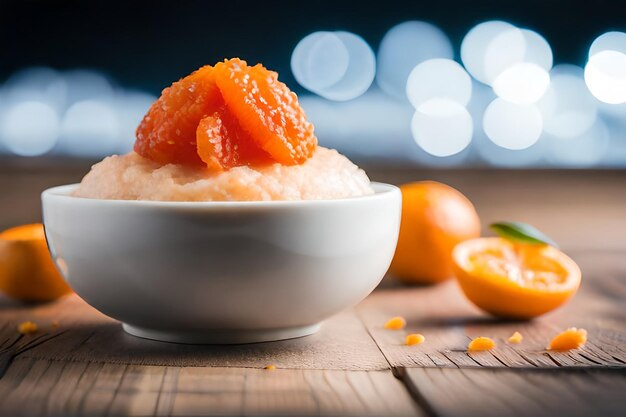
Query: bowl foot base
{"type": "Point", "coordinates": [222, 337]}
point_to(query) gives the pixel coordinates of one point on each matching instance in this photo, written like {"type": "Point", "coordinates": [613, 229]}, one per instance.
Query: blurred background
{"type": "Point", "coordinates": [429, 86]}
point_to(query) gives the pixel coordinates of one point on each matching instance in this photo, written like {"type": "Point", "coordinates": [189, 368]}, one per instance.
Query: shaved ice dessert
{"type": "Point", "coordinates": [229, 132]}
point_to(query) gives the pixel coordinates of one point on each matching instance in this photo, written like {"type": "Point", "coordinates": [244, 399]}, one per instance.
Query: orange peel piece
{"type": "Point", "coordinates": [481, 343]}
{"type": "Point", "coordinates": [515, 338]}
{"type": "Point", "coordinates": [571, 338]}
{"type": "Point", "coordinates": [395, 323]}
{"type": "Point", "coordinates": [414, 339]}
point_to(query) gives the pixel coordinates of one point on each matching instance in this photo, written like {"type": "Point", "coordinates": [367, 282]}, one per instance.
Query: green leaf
{"type": "Point", "coordinates": [521, 232]}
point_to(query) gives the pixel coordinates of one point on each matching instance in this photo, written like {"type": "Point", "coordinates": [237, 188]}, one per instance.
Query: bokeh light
{"type": "Point", "coordinates": [605, 75]}
{"type": "Point", "coordinates": [438, 78]}
{"type": "Point", "coordinates": [522, 83]}
{"type": "Point", "coordinates": [609, 41]}
{"type": "Point", "coordinates": [89, 128]}
{"type": "Point", "coordinates": [338, 65]}
{"type": "Point", "coordinates": [29, 128]}
{"type": "Point", "coordinates": [402, 48]}
{"type": "Point", "coordinates": [39, 84]}
{"type": "Point", "coordinates": [512, 126]}
{"type": "Point", "coordinates": [442, 127]}
{"type": "Point", "coordinates": [583, 150]}
{"type": "Point", "coordinates": [319, 60]}
{"type": "Point", "coordinates": [130, 107]}
{"type": "Point", "coordinates": [568, 108]}
{"type": "Point", "coordinates": [538, 50]}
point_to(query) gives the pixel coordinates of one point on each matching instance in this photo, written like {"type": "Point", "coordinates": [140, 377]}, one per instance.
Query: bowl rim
{"type": "Point", "coordinates": [61, 192]}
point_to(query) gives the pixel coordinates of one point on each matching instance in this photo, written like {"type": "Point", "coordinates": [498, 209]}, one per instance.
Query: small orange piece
{"type": "Point", "coordinates": [515, 280]}
{"type": "Point", "coordinates": [267, 110]}
{"type": "Point", "coordinates": [270, 367]}
{"type": "Point", "coordinates": [167, 133]}
{"type": "Point", "coordinates": [571, 338]}
{"type": "Point", "coordinates": [435, 217]}
{"type": "Point", "coordinates": [481, 343]}
{"type": "Point", "coordinates": [414, 339]}
{"type": "Point", "coordinates": [515, 338]}
{"type": "Point", "coordinates": [222, 144]}
{"type": "Point", "coordinates": [27, 272]}
{"type": "Point", "coordinates": [396, 323]}
{"type": "Point", "coordinates": [27, 327]}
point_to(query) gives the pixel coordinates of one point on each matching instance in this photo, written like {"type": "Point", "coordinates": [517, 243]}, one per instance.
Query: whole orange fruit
{"type": "Point", "coordinates": [435, 217]}
{"type": "Point", "coordinates": [27, 272]}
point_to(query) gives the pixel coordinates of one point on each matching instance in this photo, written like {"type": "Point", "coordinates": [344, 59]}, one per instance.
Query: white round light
{"type": "Point", "coordinates": [479, 42]}
{"type": "Point", "coordinates": [438, 78]}
{"type": "Point", "coordinates": [319, 60]}
{"type": "Point", "coordinates": [512, 126]}
{"type": "Point", "coordinates": [402, 48]}
{"type": "Point", "coordinates": [605, 75]}
{"type": "Point", "coordinates": [584, 150]}
{"type": "Point", "coordinates": [29, 128]}
{"type": "Point", "coordinates": [442, 127]}
{"type": "Point", "coordinates": [610, 41]}
{"type": "Point", "coordinates": [89, 128]}
{"type": "Point", "coordinates": [522, 83]}
{"type": "Point", "coordinates": [40, 84]}
{"type": "Point", "coordinates": [568, 108]}
{"type": "Point", "coordinates": [538, 50]}
{"type": "Point", "coordinates": [87, 85]}
{"type": "Point", "coordinates": [359, 74]}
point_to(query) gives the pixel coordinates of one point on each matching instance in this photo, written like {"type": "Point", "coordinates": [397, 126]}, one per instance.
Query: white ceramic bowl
{"type": "Point", "coordinates": [222, 272]}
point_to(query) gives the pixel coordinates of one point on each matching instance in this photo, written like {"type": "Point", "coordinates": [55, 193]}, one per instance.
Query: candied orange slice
{"type": "Point", "coordinates": [267, 110]}
{"type": "Point", "coordinates": [514, 280]}
{"type": "Point", "coordinates": [516, 337]}
{"type": "Point", "coordinates": [481, 343]}
{"type": "Point", "coordinates": [27, 271]}
{"type": "Point", "coordinates": [571, 338]}
{"type": "Point", "coordinates": [222, 144]}
{"type": "Point", "coordinates": [167, 133]}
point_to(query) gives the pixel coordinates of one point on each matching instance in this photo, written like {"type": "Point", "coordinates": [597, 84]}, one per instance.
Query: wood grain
{"type": "Point", "coordinates": [449, 322]}
{"type": "Point", "coordinates": [58, 388]}
{"type": "Point", "coordinates": [84, 334]}
{"type": "Point", "coordinates": [506, 392]}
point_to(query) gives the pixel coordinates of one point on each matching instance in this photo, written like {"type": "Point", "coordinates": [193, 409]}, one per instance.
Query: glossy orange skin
{"type": "Point", "coordinates": [27, 271]}
{"type": "Point", "coordinates": [267, 110]}
{"type": "Point", "coordinates": [435, 217]}
{"type": "Point", "coordinates": [503, 297]}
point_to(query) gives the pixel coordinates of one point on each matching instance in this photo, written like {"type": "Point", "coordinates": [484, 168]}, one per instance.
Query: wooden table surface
{"type": "Point", "coordinates": [353, 367]}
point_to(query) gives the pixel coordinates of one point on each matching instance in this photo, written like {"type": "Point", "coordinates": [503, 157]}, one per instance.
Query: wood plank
{"type": "Point", "coordinates": [53, 388]}
{"type": "Point", "coordinates": [84, 334]}
{"type": "Point", "coordinates": [537, 392]}
{"type": "Point", "coordinates": [449, 322]}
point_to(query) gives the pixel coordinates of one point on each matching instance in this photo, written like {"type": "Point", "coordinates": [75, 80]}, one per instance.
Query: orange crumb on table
{"type": "Point", "coordinates": [481, 343]}
{"type": "Point", "coordinates": [27, 327]}
{"type": "Point", "coordinates": [270, 367]}
{"type": "Point", "coordinates": [414, 339]}
{"type": "Point", "coordinates": [516, 338]}
{"type": "Point", "coordinates": [54, 324]}
{"type": "Point", "coordinates": [571, 338]}
{"type": "Point", "coordinates": [395, 323]}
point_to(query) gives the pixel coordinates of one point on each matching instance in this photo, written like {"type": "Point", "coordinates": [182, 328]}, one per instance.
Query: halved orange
{"type": "Point", "coordinates": [27, 272]}
{"type": "Point", "coordinates": [514, 280]}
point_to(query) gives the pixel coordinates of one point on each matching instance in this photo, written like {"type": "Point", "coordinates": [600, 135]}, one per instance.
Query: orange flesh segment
{"type": "Point", "coordinates": [222, 144]}
{"type": "Point", "coordinates": [571, 338]}
{"type": "Point", "coordinates": [520, 264]}
{"type": "Point", "coordinates": [267, 110]}
{"type": "Point", "coordinates": [27, 327]}
{"type": "Point", "coordinates": [515, 338]}
{"type": "Point", "coordinates": [167, 133]}
{"type": "Point", "coordinates": [414, 339]}
{"type": "Point", "coordinates": [481, 343]}
{"type": "Point", "coordinates": [395, 323]}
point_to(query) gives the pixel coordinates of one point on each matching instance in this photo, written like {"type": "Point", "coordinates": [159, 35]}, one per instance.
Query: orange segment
{"type": "Point", "coordinates": [267, 110]}
{"type": "Point", "coordinates": [395, 323]}
{"type": "Point", "coordinates": [516, 337]}
{"type": "Point", "coordinates": [27, 271]}
{"type": "Point", "coordinates": [167, 133]}
{"type": "Point", "coordinates": [222, 144]}
{"type": "Point", "coordinates": [414, 339]}
{"type": "Point", "coordinates": [514, 280]}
